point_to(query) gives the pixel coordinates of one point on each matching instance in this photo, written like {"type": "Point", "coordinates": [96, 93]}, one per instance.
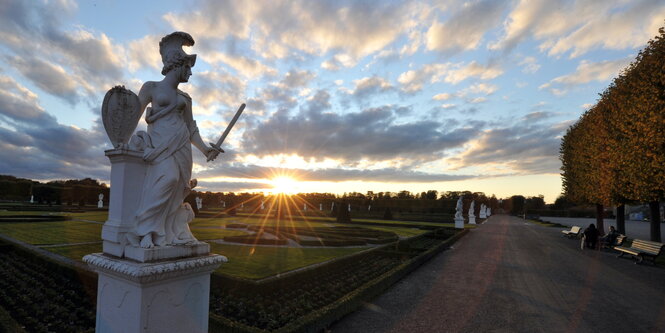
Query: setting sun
{"type": "Point", "coordinates": [286, 185]}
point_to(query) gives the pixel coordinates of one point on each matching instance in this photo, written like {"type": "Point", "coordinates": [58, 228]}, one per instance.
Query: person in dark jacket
{"type": "Point", "coordinates": [590, 236]}
{"type": "Point", "coordinates": [611, 237]}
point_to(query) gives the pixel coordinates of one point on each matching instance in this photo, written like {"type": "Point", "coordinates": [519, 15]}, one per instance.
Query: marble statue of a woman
{"type": "Point", "coordinates": [458, 208]}
{"type": "Point", "coordinates": [167, 147]}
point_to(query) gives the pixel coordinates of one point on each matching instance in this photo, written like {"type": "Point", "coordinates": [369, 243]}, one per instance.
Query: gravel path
{"type": "Point", "coordinates": [511, 276]}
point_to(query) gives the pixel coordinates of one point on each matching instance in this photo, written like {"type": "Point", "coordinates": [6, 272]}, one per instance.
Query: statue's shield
{"type": "Point", "coordinates": [121, 111]}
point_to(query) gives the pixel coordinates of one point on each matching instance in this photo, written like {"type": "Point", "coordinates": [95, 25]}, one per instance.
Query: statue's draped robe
{"type": "Point", "coordinates": [169, 158]}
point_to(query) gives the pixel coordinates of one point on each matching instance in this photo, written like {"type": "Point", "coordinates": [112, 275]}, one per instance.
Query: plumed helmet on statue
{"type": "Point", "coordinates": [173, 56]}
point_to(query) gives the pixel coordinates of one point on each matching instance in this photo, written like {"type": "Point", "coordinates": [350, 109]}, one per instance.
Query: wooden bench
{"type": "Point", "coordinates": [573, 232]}
{"type": "Point", "coordinates": [617, 242]}
{"type": "Point", "coordinates": [641, 249]}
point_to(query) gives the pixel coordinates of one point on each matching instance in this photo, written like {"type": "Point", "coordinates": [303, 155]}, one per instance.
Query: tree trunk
{"type": "Point", "coordinates": [654, 208]}
{"type": "Point", "coordinates": [600, 225]}
{"type": "Point", "coordinates": [621, 219]}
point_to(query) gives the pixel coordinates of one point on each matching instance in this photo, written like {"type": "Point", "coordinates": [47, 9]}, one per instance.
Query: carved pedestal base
{"type": "Point", "coordinates": [459, 223]}
{"type": "Point", "coordinates": [472, 220]}
{"type": "Point", "coordinates": [168, 296]}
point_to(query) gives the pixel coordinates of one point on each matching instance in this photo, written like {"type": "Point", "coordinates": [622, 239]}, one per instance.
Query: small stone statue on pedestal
{"type": "Point", "coordinates": [472, 213]}
{"type": "Point", "coordinates": [459, 219]}
{"type": "Point", "coordinates": [483, 211]}
{"type": "Point", "coordinates": [100, 203]}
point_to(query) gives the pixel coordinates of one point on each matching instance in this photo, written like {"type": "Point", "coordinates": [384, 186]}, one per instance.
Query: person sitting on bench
{"type": "Point", "coordinates": [590, 236]}
{"type": "Point", "coordinates": [610, 238]}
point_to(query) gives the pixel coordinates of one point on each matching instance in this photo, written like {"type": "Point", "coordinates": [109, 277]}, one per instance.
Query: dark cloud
{"type": "Point", "coordinates": [526, 147]}
{"type": "Point", "coordinates": [393, 175]}
{"type": "Point", "coordinates": [232, 186]}
{"type": "Point", "coordinates": [35, 145]}
{"type": "Point", "coordinates": [18, 104]}
{"type": "Point", "coordinates": [537, 116]}
{"type": "Point", "coordinates": [373, 134]}
{"type": "Point", "coordinates": [51, 78]}
{"type": "Point", "coordinates": [216, 87]}
{"type": "Point", "coordinates": [297, 79]}
{"type": "Point", "coordinates": [368, 87]}
{"type": "Point", "coordinates": [280, 96]}
{"type": "Point", "coordinates": [34, 31]}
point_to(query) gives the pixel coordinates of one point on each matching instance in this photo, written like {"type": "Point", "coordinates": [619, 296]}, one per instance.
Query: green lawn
{"type": "Point", "coordinates": [203, 234]}
{"type": "Point", "coordinates": [259, 262]}
{"type": "Point", "coordinates": [91, 216]}
{"type": "Point", "coordinates": [404, 232]}
{"type": "Point", "coordinates": [244, 261]}
{"type": "Point", "coordinates": [76, 252]}
{"type": "Point", "coordinates": [271, 222]}
{"type": "Point", "coordinates": [38, 233]}
{"type": "Point", "coordinates": [27, 212]}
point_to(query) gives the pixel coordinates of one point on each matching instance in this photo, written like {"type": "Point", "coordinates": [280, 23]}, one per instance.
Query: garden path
{"type": "Point", "coordinates": [508, 275]}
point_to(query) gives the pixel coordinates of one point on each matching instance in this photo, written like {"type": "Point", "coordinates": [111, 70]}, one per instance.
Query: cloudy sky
{"type": "Point", "coordinates": [341, 95]}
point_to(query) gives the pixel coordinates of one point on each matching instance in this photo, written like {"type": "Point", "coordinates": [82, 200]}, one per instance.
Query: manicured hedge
{"type": "Point", "coordinates": [255, 239]}
{"type": "Point", "coordinates": [311, 299]}
{"type": "Point", "coordinates": [236, 226]}
{"type": "Point", "coordinates": [44, 296]}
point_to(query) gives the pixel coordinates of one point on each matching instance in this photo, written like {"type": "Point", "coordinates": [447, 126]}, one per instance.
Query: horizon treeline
{"type": "Point", "coordinates": [85, 192]}
{"type": "Point", "coordinates": [615, 153]}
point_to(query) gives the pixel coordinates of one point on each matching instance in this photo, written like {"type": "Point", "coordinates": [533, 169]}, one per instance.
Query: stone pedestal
{"type": "Point", "coordinates": [472, 220]}
{"type": "Point", "coordinates": [168, 296]}
{"type": "Point", "coordinates": [459, 223]}
{"type": "Point", "coordinates": [127, 174]}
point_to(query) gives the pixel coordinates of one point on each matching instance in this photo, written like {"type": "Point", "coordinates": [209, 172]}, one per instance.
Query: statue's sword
{"type": "Point", "coordinates": [227, 130]}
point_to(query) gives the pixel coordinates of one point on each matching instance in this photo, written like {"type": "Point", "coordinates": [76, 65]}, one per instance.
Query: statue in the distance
{"type": "Point", "coordinates": [167, 149]}
{"type": "Point", "coordinates": [458, 209]}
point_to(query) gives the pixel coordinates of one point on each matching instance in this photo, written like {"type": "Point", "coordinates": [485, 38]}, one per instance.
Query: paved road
{"type": "Point", "coordinates": [634, 229]}
{"type": "Point", "coordinates": [511, 276]}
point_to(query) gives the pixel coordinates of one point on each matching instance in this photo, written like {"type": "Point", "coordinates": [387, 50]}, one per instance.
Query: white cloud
{"type": "Point", "coordinates": [413, 80]}
{"type": "Point", "coordinates": [314, 27]}
{"type": "Point", "coordinates": [144, 53]}
{"type": "Point", "coordinates": [586, 72]}
{"type": "Point", "coordinates": [477, 100]}
{"type": "Point", "coordinates": [466, 28]}
{"type": "Point", "coordinates": [612, 25]}
{"type": "Point", "coordinates": [529, 65]}
{"type": "Point", "coordinates": [249, 68]}
{"type": "Point", "coordinates": [217, 87]}
{"type": "Point", "coordinates": [442, 97]}
{"type": "Point", "coordinates": [367, 87]}
{"type": "Point", "coordinates": [339, 61]}
{"type": "Point", "coordinates": [481, 88]}
{"type": "Point", "coordinates": [612, 31]}
{"type": "Point", "coordinates": [473, 69]}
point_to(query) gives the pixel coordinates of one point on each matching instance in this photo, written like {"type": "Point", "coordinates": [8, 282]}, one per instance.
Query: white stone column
{"type": "Point", "coordinates": [169, 296]}
{"type": "Point", "coordinates": [127, 174]}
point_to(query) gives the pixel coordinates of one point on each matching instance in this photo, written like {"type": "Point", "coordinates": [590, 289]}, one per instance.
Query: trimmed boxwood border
{"type": "Point", "coordinates": [319, 319]}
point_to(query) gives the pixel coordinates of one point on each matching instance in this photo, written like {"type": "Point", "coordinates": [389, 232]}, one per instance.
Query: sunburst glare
{"type": "Point", "coordinates": [285, 185]}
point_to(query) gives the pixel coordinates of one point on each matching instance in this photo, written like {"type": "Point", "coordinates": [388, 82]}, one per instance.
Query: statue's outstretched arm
{"type": "Point", "coordinates": [194, 135]}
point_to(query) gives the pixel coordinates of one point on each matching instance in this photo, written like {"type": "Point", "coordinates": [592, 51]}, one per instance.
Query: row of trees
{"type": "Point", "coordinates": [615, 153]}
{"type": "Point", "coordinates": [430, 202]}
{"type": "Point", "coordinates": [60, 192]}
